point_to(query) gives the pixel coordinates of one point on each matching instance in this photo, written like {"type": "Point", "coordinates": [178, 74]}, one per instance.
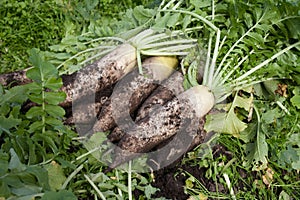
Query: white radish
{"type": "Point", "coordinates": [180, 114]}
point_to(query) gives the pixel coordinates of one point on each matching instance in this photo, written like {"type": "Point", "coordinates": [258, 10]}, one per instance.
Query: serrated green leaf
{"type": "Point", "coordinates": [35, 111]}
{"type": "Point", "coordinates": [161, 22]}
{"type": "Point", "coordinates": [36, 126]}
{"type": "Point", "coordinates": [53, 83]}
{"type": "Point", "coordinates": [48, 71]}
{"type": "Point", "coordinates": [258, 37]}
{"type": "Point", "coordinates": [149, 191]}
{"type": "Point", "coordinates": [173, 20]}
{"type": "Point", "coordinates": [42, 70]}
{"type": "Point", "coordinates": [35, 58]}
{"type": "Point", "coordinates": [8, 123]}
{"type": "Point", "coordinates": [54, 111]}
{"type": "Point", "coordinates": [36, 98]}
{"type": "Point", "coordinates": [34, 74]}
{"type": "Point", "coordinates": [257, 152]}
{"type": "Point", "coordinates": [35, 88]}
{"type": "Point", "coordinates": [53, 122]}
{"type": "Point", "coordinates": [16, 94]}
{"type": "Point", "coordinates": [142, 15]}
{"type": "Point", "coordinates": [54, 98]}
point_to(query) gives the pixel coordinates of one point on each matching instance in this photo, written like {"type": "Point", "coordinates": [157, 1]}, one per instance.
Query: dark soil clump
{"type": "Point", "coordinates": [171, 181]}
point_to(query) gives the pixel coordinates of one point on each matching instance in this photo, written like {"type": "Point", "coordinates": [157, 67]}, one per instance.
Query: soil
{"type": "Point", "coordinates": [171, 182]}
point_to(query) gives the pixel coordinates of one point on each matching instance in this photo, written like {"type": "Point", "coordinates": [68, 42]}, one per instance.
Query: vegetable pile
{"type": "Point", "coordinates": [181, 77]}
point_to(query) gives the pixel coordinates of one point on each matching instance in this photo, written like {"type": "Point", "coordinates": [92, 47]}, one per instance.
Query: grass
{"type": "Point", "coordinates": [25, 25]}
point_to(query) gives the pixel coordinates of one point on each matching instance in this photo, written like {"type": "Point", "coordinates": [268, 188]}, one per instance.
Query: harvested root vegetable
{"type": "Point", "coordinates": [93, 79]}
{"type": "Point", "coordinates": [104, 72]}
{"type": "Point", "coordinates": [165, 92]}
{"type": "Point", "coordinates": [175, 147]}
{"type": "Point", "coordinates": [180, 114]}
{"type": "Point", "coordinates": [132, 90]}
{"type": "Point", "coordinates": [168, 90]}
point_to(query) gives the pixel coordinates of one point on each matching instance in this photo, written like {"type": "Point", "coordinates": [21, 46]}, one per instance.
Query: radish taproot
{"type": "Point", "coordinates": [165, 92]}
{"type": "Point", "coordinates": [104, 72]}
{"type": "Point", "coordinates": [181, 113]}
{"type": "Point", "coordinates": [132, 90]}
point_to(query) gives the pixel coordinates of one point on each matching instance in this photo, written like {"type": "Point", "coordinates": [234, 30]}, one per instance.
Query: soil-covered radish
{"type": "Point", "coordinates": [104, 72]}
{"type": "Point", "coordinates": [91, 79]}
{"type": "Point", "coordinates": [179, 114]}
{"type": "Point", "coordinates": [132, 90]}
{"type": "Point", "coordinates": [169, 89]}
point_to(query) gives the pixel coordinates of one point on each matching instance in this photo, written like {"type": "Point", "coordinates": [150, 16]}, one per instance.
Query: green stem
{"type": "Point", "coordinates": [214, 59]}
{"type": "Point", "coordinates": [207, 63]}
{"type": "Point", "coordinates": [228, 75]}
{"type": "Point", "coordinates": [95, 187]}
{"type": "Point", "coordinates": [106, 38]}
{"type": "Point", "coordinates": [43, 103]}
{"type": "Point", "coordinates": [82, 52]}
{"type": "Point", "coordinates": [118, 179]}
{"type": "Point", "coordinates": [99, 55]}
{"type": "Point", "coordinates": [129, 181]}
{"type": "Point", "coordinates": [78, 169]}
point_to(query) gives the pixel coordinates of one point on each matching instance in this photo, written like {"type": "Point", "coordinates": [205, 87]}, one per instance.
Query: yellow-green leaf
{"type": "Point", "coordinates": [227, 121]}
{"type": "Point", "coordinates": [56, 175]}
